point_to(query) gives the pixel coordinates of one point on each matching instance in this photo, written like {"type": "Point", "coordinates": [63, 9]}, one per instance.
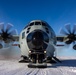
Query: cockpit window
{"type": "Point", "coordinates": [28, 28]}
{"type": "Point", "coordinates": [31, 24]}
{"type": "Point", "coordinates": [27, 31]}
{"type": "Point", "coordinates": [37, 23]}
{"type": "Point", "coordinates": [23, 35]}
{"type": "Point", "coordinates": [43, 24]}
{"type": "Point", "coordinates": [46, 28]}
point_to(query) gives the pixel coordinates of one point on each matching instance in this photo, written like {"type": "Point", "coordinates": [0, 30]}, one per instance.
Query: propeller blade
{"type": "Point", "coordinates": [67, 26]}
{"type": "Point", "coordinates": [63, 32]}
{"type": "Point", "coordinates": [2, 26]}
{"type": "Point", "coordinates": [8, 27]}
{"type": "Point", "coordinates": [13, 32]}
{"type": "Point", "coordinates": [6, 34]}
{"type": "Point", "coordinates": [74, 29]}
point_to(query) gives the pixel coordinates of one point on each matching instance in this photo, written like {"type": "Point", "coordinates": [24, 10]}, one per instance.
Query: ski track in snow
{"type": "Point", "coordinates": [12, 67]}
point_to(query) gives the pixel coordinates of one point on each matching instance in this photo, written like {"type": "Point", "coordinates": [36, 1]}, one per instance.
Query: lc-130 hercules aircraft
{"type": "Point", "coordinates": [38, 41]}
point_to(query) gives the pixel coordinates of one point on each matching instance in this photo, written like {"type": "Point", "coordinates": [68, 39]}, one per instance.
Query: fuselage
{"type": "Point", "coordinates": [37, 35]}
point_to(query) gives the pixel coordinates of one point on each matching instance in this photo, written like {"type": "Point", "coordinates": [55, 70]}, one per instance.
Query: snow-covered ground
{"type": "Point", "coordinates": [9, 65]}
{"type": "Point", "coordinates": [12, 67]}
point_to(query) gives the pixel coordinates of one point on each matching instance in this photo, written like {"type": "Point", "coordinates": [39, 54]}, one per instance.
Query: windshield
{"type": "Point", "coordinates": [37, 23]}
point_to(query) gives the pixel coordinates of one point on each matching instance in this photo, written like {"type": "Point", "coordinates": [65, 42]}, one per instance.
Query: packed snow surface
{"type": "Point", "coordinates": [12, 67]}
{"type": "Point", "coordinates": [9, 65]}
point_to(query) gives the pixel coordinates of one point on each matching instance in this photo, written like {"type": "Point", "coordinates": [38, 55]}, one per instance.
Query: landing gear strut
{"type": "Point", "coordinates": [37, 60]}
{"type": "Point", "coordinates": [24, 59]}
{"type": "Point", "coordinates": [52, 60]}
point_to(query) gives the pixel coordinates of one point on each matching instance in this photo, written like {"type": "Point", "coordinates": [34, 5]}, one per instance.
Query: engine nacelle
{"type": "Point", "coordinates": [68, 41]}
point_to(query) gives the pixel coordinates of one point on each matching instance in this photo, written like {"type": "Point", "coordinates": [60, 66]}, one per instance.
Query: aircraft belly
{"type": "Point", "coordinates": [50, 50]}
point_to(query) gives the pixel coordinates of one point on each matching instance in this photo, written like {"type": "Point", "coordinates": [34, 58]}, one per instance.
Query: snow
{"type": "Point", "coordinates": [13, 67]}
{"type": "Point", "coordinates": [9, 65]}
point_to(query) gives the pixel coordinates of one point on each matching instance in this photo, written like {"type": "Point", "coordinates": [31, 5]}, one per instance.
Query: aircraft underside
{"type": "Point", "coordinates": [39, 59]}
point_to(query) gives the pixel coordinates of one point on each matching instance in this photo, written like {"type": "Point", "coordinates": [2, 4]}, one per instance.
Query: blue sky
{"type": "Point", "coordinates": [56, 12]}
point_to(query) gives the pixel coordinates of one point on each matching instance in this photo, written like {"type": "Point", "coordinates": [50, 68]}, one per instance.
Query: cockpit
{"type": "Point", "coordinates": [37, 22]}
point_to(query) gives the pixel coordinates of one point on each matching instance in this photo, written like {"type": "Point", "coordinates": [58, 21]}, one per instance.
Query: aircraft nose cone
{"type": "Point", "coordinates": [37, 38]}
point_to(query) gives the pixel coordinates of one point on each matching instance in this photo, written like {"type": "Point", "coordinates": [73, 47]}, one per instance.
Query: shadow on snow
{"type": "Point", "coordinates": [65, 63]}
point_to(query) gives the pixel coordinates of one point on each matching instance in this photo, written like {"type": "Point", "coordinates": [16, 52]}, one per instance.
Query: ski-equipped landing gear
{"type": "Point", "coordinates": [53, 60]}
{"type": "Point", "coordinates": [24, 59]}
{"type": "Point", "coordinates": [37, 59]}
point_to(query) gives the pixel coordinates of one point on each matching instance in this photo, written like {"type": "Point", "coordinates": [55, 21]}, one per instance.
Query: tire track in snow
{"type": "Point", "coordinates": [15, 68]}
{"type": "Point", "coordinates": [12, 72]}
{"type": "Point", "coordinates": [29, 71]}
{"type": "Point", "coordinates": [42, 72]}
{"type": "Point", "coordinates": [21, 71]}
{"type": "Point", "coordinates": [10, 68]}
{"type": "Point", "coordinates": [35, 72]}
{"type": "Point", "coordinates": [53, 71]}
{"type": "Point", "coordinates": [6, 72]}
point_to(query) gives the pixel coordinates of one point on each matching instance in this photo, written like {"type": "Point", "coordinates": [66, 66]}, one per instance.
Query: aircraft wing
{"type": "Point", "coordinates": [16, 37]}
{"type": "Point", "coordinates": [10, 39]}
{"type": "Point", "coordinates": [67, 40]}
{"type": "Point", "coordinates": [62, 38]}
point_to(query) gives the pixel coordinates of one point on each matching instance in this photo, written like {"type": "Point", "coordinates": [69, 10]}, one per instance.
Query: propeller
{"type": "Point", "coordinates": [6, 33]}
{"type": "Point", "coordinates": [71, 36]}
